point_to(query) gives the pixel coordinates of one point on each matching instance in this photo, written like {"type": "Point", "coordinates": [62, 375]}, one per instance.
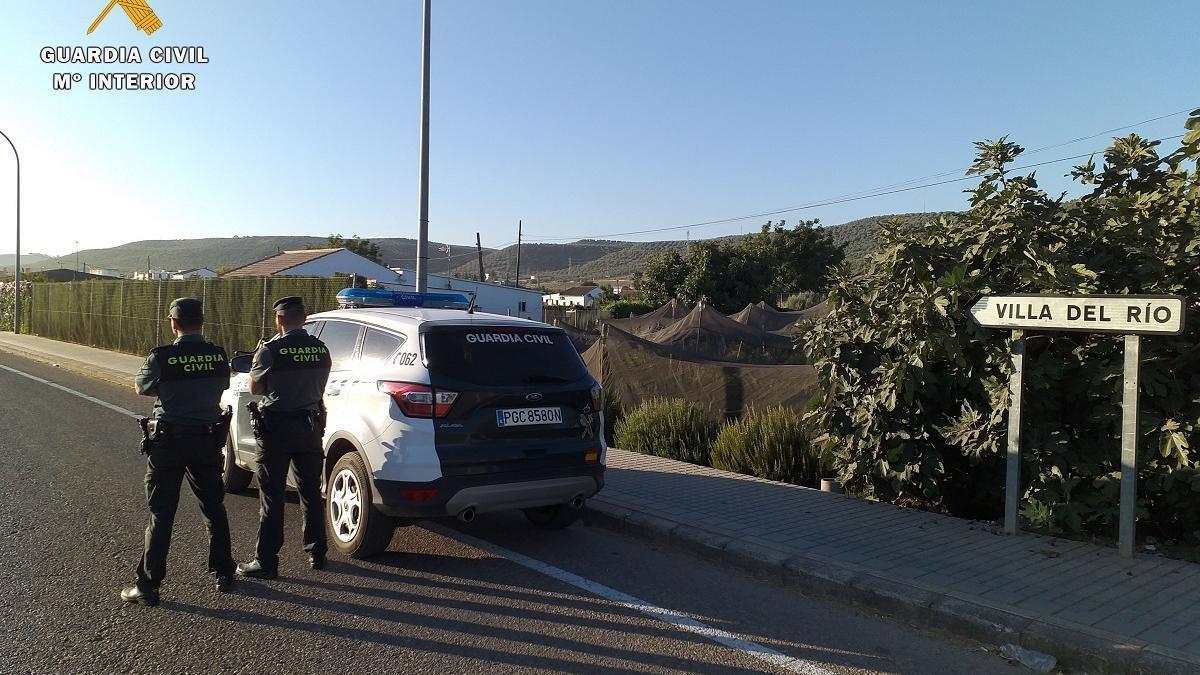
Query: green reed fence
{"type": "Point", "coordinates": [130, 316]}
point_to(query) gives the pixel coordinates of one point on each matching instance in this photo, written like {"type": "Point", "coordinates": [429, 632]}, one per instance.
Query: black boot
{"type": "Point", "coordinates": [317, 562]}
{"type": "Point", "coordinates": [224, 581]}
{"type": "Point", "coordinates": [140, 597]}
{"type": "Point", "coordinates": [255, 570]}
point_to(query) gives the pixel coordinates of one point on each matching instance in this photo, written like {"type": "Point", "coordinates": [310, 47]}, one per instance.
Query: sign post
{"type": "Point", "coordinates": [1012, 498]}
{"type": "Point", "coordinates": [1128, 315]}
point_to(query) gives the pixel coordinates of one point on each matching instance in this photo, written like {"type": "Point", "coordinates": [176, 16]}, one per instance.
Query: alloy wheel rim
{"type": "Point", "coordinates": [345, 506]}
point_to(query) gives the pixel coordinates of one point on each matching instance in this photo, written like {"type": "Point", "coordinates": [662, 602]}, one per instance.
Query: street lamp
{"type": "Point", "coordinates": [17, 274]}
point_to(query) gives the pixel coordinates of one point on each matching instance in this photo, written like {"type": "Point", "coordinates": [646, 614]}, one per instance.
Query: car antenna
{"type": "Point", "coordinates": [471, 305]}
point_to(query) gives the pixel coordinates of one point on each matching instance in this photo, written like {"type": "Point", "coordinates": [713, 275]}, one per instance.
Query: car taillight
{"type": "Point", "coordinates": [598, 398]}
{"type": "Point", "coordinates": [419, 400]}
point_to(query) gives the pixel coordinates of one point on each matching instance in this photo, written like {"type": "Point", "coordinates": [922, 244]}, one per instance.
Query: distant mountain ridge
{"type": "Point", "coordinates": [221, 252]}
{"type": "Point", "coordinates": [590, 260]}
{"type": "Point", "coordinates": [8, 260]}
{"type": "Point", "coordinates": [583, 260]}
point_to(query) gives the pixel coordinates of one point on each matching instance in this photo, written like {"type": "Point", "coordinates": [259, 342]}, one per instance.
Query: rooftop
{"type": "Point", "coordinates": [280, 262]}
{"type": "Point", "coordinates": [578, 290]}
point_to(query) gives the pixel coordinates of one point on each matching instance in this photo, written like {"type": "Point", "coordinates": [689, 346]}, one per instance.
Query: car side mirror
{"type": "Point", "coordinates": [241, 363]}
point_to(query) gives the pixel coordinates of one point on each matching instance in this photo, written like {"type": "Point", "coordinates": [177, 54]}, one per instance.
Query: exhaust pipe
{"type": "Point", "coordinates": [467, 514]}
{"type": "Point", "coordinates": [576, 502]}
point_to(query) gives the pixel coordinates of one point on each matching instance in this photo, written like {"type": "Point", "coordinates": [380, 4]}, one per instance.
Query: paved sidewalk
{"type": "Point", "coordinates": [1078, 601]}
{"type": "Point", "coordinates": [101, 364]}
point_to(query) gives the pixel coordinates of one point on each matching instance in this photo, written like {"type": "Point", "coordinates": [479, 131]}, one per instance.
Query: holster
{"type": "Point", "coordinates": [320, 419]}
{"type": "Point", "coordinates": [256, 419]}
{"type": "Point", "coordinates": [149, 432]}
{"type": "Point", "coordinates": [221, 428]}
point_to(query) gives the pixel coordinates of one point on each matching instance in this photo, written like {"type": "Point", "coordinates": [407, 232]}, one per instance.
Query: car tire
{"type": "Point", "coordinates": [233, 476]}
{"type": "Point", "coordinates": [354, 526]}
{"type": "Point", "coordinates": [554, 517]}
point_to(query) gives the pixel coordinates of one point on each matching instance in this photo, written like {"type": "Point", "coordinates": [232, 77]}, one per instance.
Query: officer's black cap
{"type": "Point", "coordinates": [289, 303]}
{"type": "Point", "coordinates": [186, 308]}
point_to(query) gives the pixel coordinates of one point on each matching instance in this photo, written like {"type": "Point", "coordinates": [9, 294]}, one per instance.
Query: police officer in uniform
{"type": "Point", "coordinates": [187, 377]}
{"type": "Point", "coordinates": [291, 370]}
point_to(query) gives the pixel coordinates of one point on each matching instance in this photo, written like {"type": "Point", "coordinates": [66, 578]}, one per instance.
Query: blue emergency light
{"type": "Point", "coordinates": [381, 297]}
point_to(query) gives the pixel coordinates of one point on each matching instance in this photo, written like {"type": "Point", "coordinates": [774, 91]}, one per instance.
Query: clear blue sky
{"type": "Point", "coordinates": [582, 118]}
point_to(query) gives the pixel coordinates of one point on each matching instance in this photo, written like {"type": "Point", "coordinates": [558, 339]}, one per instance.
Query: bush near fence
{"type": "Point", "coordinates": [7, 304]}
{"type": "Point", "coordinates": [130, 316]}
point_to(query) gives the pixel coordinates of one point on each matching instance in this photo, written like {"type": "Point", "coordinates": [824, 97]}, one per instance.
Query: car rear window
{"type": "Point", "coordinates": [500, 356]}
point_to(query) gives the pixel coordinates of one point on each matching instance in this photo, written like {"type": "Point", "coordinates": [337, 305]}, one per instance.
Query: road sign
{"type": "Point", "coordinates": [1122, 314]}
{"type": "Point", "coordinates": [1129, 315]}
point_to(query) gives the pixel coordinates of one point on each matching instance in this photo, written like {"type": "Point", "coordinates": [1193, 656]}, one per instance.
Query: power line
{"type": "Point", "coordinates": [828, 202]}
{"type": "Point", "coordinates": [1026, 153]}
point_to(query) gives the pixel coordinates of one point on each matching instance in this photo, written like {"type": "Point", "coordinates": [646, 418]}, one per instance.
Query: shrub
{"type": "Point", "coordinates": [802, 300]}
{"type": "Point", "coordinates": [771, 445]}
{"type": "Point", "coordinates": [671, 428]}
{"type": "Point", "coordinates": [613, 412]}
{"type": "Point", "coordinates": [623, 309]}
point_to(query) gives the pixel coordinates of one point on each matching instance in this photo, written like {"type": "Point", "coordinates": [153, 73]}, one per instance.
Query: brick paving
{"type": "Point", "coordinates": [1148, 599]}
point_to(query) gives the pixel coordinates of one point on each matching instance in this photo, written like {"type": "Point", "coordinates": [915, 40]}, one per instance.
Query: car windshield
{"type": "Point", "coordinates": [502, 355]}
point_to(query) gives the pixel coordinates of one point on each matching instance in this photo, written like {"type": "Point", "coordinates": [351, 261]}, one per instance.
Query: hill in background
{"type": "Point", "coordinates": [217, 253]}
{"type": "Point", "coordinates": [8, 260]}
{"type": "Point", "coordinates": [590, 260]}
{"type": "Point", "coordinates": [556, 265]}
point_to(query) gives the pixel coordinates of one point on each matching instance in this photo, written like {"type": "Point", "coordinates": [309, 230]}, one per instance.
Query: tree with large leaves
{"type": "Point", "coordinates": [916, 392]}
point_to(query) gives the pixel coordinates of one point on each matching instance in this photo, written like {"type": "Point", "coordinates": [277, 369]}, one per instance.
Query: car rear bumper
{"type": "Point", "coordinates": [486, 493]}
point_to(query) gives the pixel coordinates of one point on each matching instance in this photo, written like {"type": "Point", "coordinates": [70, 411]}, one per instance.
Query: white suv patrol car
{"type": "Point", "coordinates": [441, 412]}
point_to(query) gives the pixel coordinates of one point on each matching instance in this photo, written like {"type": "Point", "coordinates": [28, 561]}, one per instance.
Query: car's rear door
{"type": "Point", "coordinates": [524, 399]}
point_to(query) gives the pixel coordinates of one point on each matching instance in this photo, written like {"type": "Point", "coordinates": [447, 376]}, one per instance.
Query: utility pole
{"type": "Point", "coordinates": [77, 268]}
{"type": "Point", "coordinates": [423, 177]}
{"type": "Point", "coordinates": [479, 250]}
{"type": "Point", "coordinates": [518, 253]}
{"type": "Point", "coordinates": [17, 273]}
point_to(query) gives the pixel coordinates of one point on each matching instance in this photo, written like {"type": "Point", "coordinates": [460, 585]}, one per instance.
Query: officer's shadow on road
{"type": "Point", "coordinates": [472, 634]}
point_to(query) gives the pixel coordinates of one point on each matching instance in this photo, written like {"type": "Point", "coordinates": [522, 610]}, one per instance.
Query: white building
{"type": "Point", "coordinates": [580, 296]}
{"type": "Point", "coordinates": [198, 273]}
{"type": "Point", "coordinates": [317, 262]}
{"type": "Point", "coordinates": [100, 272]}
{"type": "Point", "coordinates": [152, 275]}
{"type": "Point", "coordinates": [489, 297]}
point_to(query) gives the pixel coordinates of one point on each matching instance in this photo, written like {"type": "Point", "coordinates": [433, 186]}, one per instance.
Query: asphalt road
{"type": "Point", "coordinates": [445, 598]}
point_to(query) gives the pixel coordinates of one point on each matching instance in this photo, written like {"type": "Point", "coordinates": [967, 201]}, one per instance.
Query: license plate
{"type": "Point", "coordinates": [523, 417]}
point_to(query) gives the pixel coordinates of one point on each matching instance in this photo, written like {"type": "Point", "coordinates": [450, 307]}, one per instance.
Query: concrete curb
{"type": "Point", "coordinates": [79, 367]}
{"type": "Point", "coordinates": [1075, 646]}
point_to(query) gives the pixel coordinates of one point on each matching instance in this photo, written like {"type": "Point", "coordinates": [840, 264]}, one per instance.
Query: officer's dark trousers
{"type": "Point", "coordinates": [290, 441]}
{"type": "Point", "coordinates": [171, 458]}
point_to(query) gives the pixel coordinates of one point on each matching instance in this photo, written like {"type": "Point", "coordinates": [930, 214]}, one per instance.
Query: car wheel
{"type": "Point", "coordinates": [355, 527]}
{"type": "Point", "coordinates": [235, 477]}
{"type": "Point", "coordinates": [555, 517]}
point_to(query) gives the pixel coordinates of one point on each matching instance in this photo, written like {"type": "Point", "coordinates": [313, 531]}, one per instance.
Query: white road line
{"type": "Point", "coordinates": [672, 617]}
{"type": "Point", "coordinates": [669, 616]}
{"type": "Point", "coordinates": [80, 394]}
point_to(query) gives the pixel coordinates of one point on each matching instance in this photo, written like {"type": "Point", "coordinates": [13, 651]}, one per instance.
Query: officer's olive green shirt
{"type": "Point", "coordinates": [181, 401]}
{"type": "Point", "coordinates": [290, 390]}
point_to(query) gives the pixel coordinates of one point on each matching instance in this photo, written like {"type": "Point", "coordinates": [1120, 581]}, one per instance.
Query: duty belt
{"type": "Point", "coordinates": [171, 429]}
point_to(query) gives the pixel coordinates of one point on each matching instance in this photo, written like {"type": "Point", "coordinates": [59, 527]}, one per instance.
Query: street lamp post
{"type": "Point", "coordinates": [423, 177]}
{"type": "Point", "coordinates": [17, 274]}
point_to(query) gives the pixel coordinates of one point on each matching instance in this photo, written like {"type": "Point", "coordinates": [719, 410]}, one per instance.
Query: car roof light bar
{"type": "Point", "coordinates": [380, 297]}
